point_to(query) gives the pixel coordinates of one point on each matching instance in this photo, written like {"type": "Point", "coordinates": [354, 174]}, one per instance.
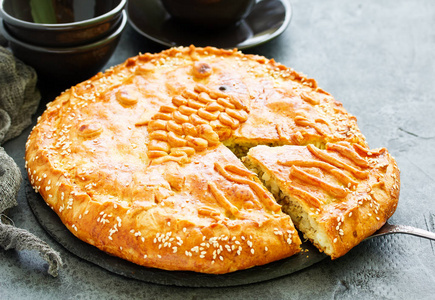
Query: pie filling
{"type": "Point", "coordinates": [301, 217]}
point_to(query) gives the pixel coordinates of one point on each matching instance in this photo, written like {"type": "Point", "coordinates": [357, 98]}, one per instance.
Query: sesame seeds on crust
{"type": "Point", "coordinates": [132, 160]}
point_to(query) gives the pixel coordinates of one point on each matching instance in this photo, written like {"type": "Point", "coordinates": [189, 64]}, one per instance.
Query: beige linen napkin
{"type": "Point", "coordinates": [19, 99]}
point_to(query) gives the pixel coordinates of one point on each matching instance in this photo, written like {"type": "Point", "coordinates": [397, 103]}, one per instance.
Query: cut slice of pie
{"type": "Point", "coordinates": [337, 196]}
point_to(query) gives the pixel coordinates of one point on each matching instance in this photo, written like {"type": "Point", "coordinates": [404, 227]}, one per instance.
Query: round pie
{"type": "Point", "coordinates": [145, 162]}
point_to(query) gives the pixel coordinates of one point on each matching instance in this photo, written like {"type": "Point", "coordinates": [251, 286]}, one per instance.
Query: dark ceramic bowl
{"type": "Point", "coordinates": [209, 14]}
{"type": "Point", "coordinates": [58, 23]}
{"type": "Point", "coordinates": [70, 63]}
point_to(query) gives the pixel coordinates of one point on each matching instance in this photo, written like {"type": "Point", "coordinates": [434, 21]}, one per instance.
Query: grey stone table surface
{"type": "Point", "coordinates": [378, 59]}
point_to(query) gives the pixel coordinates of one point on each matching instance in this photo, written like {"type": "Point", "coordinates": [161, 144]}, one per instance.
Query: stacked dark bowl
{"type": "Point", "coordinates": [63, 40]}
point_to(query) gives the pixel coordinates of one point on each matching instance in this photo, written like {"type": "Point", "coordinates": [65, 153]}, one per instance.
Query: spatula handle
{"type": "Point", "coordinates": [391, 229]}
{"type": "Point", "coordinates": [414, 231]}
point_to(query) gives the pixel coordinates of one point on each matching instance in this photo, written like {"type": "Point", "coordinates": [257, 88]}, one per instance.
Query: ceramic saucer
{"type": "Point", "coordinates": [268, 19]}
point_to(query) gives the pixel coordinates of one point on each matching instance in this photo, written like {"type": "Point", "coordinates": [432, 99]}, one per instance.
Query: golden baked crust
{"type": "Point", "coordinates": [346, 191]}
{"type": "Point", "coordinates": [133, 160]}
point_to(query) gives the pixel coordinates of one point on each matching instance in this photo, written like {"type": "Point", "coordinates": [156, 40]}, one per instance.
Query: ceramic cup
{"type": "Point", "coordinates": [61, 23]}
{"type": "Point", "coordinates": [209, 14]}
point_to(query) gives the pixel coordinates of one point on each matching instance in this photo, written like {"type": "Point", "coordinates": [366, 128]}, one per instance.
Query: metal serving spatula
{"type": "Point", "coordinates": [391, 229]}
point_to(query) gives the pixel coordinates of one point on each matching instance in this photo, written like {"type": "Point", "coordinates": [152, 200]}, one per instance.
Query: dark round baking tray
{"type": "Point", "coordinates": [49, 220]}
